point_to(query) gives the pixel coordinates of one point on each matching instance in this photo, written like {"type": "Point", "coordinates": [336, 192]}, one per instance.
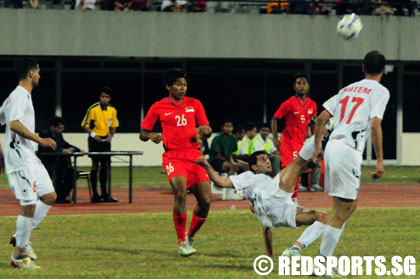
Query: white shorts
{"type": "Point", "coordinates": [342, 170]}
{"type": "Point", "coordinates": [278, 208]}
{"type": "Point", "coordinates": [29, 184]}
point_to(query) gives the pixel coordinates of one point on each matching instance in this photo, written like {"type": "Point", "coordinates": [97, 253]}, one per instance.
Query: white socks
{"type": "Point", "coordinates": [41, 210]}
{"type": "Point", "coordinates": [23, 231]}
{"type": "Point", "coordinates": [330, 237]}
{"type": "Point", "coordinates": [311, 233]}
{"type": "Point", "coordinates": [308, 149]}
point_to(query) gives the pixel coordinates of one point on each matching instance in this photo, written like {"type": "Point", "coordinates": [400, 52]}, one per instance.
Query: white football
{"type": "Point", "coordinates": [349, 26]}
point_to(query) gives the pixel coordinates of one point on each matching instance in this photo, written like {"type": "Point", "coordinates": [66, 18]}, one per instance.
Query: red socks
{"type": "Point", "coordinates": [195, 225]}
{"type": "Point", "coordinates": [180, 221]}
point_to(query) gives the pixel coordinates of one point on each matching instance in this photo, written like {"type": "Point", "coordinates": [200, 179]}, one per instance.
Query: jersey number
{"type": "Point", "coordinates": [181, 120]}
{"type": "Point", "coordinates": [344, 102]}
{"type": "Point", "coordinates": [302, 118]}
{"type": "Point", "coordinates": [169, 169]}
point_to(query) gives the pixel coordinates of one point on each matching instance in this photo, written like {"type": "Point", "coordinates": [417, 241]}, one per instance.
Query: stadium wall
{"type": "Point", "coordinates": [189, 35]}
{"type": "Point", "coordinates": [153, 152]}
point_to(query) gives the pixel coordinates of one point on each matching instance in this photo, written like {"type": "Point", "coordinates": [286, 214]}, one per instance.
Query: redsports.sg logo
{"type": "Point", "coordinates": [354, 265]}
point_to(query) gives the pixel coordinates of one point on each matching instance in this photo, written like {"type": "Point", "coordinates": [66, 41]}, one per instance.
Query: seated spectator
{"type": "Point", "coordinates": [268, 145]}
{"type": "Point", "coordinates": [222, 147]}
{"type": "Point", "coordinates": [88, 5]}
{"type": "Point", "coordinates": [381, 9]}
{"type": "Point", "coordinates": [315, 179]}
{"type": "Point", "coordinates": [278, 7]}
{"type": "Point", "coordinates": [249, 142]}
{"type": "Point", "coordinates": [239, 134]}
{"type": "Point", "coordinates": [197, 6]}
{"type": "Point", "coordinates": [122, 5]}
{"type": "Point", "coordinates": [173, 6]}
{"type": "Point", "coordinates": [58, 167]}
{"type": "Point", "coordinates": [140, 5]}
{"type": "Point", "coordinates": [320, 8]}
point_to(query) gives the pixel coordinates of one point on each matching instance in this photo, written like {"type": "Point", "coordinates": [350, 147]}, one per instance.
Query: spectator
{"type": "Point", "coordinates": [278, 7]}
{"type": "Point", "coordinates": [122, 5]}
{"type": "Point", "coordinates": [140, 5]}
{"type": "Point", "coordinates": [382, 9]}
{"type": "Point", "coordinates": [101, 123]}
{"type": "Point", "coordinates": [197, 6]}
{"type": "Point", "coordinates": [249, 141]}
{"type": "Point", "coordinates": [173, 6]}
{"type": "Point", "coordinates": [222, 147]}
{"type": "Point", "coordinates": [319, 7]}
{"type": "Point", "coordinates": [399, 9]}
{"type": "Point", "coordinates": [88, 5]}
{"type": "Point", "coordinates": [59, 168]}
{"type": "Point", "coordinates": [239, 134]}
{"type": "Point", "coordinates": [268, 145]}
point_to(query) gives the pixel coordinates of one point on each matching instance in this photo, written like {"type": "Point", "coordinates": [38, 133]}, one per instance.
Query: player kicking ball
{"type": "Point", "coordinates": [271, 197]}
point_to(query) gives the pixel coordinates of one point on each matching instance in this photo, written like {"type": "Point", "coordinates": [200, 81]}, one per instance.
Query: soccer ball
{"type": "Point", "coordinates": [349, 26]}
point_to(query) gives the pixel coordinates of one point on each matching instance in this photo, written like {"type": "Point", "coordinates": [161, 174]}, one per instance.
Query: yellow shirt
{"type": "Point", "coordinates": [100, 120]}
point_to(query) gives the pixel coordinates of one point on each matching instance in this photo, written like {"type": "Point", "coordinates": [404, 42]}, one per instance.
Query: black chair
{"type": "Point", "coordinates": [86, 175]}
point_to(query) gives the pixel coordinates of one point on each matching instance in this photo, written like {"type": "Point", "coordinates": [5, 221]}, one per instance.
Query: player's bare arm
{"type": "Point", "coordinates": [204, 131]}
{"type": "Point", "coordinates": [217, 179]}
{"type": "Point", "coordinates": [319, 131]}
{"type": "Point", "coordinates": [90, 131]}
{"type": "Point", "coordinates": [21, 130]}
{"type": "Point", "coordinates": [376, 131]}
{"type": "Point", "coordinates": [268, 241]}
{"type": "Point", "coordinates": [276, 140]}
{"type": "Point", "coordinates": [111, 134]}
{"type": "Point", "coordinates": [145, 135]}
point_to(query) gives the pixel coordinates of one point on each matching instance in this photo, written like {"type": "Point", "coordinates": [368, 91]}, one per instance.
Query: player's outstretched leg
{"type": "Point", "coordinates": [179, 188]}
{"type": "Point", "coordinates": [316, 220]}
{"type": "Point", "coordinates": [290, 174]}
{"type": "Point", "coordinates": [202, 193]}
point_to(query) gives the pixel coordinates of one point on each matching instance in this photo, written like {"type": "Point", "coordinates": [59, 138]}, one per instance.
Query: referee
{"type": "Point", "coordinates": [101, 122]}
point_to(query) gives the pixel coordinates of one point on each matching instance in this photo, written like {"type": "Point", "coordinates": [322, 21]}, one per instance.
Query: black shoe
{"type": "Point", "coordinates": [96, 199]}
{"type": "Point", "coordinates": [113, 200]}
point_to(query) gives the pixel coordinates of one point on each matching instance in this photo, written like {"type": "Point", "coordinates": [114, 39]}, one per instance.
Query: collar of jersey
{"type": "Point", "coordinates": [169, 99]}
{"type": "Point", "coordinates": [300, 102]}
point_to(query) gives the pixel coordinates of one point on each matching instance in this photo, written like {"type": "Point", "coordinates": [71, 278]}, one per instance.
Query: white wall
{"type": "Point", "coordinates": [153, 152]}
{"type": "Point", "coordinates": [197, 35]}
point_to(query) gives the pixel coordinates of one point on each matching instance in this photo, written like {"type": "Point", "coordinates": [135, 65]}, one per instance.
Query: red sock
{"type": "Point", "coordinates": [180, 221]}
{"type": "Point", "coordinates": [195, 225]}
{"type": "Point", "coordinates": [295, 193]}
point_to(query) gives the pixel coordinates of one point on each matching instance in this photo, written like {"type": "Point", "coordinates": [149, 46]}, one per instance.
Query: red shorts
{"type": "Point", "coordinates": [182, 162]}
{"type": "Point", "coordinates": [288, 152]}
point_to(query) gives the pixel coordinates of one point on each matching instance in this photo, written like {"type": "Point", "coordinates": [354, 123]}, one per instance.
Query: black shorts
{"type": "Point", "coordinates": [95, 146]}
{"type": "Point", "coordinates": [217, 164]}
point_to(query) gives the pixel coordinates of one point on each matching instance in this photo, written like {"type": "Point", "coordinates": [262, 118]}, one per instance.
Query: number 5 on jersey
{"type": "Point", "coordinates": [181, 120]}
{"type": "Point", "coordinates": [169, 169]}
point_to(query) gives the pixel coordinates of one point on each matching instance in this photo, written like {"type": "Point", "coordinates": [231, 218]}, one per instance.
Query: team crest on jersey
{"type": "Point", "coordinates": [189, 109]}
{"type": "Point", "coordinates": [310, 111]}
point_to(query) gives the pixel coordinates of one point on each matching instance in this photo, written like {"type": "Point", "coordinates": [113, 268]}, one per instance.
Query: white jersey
{"type": "Point", "coordinates": [264, 194]}
{"type": "Point", "coordinates": [353, 109]}
{"type": "Point", "coordinates": [19, 152]}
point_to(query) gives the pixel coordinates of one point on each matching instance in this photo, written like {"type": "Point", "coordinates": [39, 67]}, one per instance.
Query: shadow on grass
{"type": "Point", "coordinates": [227, 266]}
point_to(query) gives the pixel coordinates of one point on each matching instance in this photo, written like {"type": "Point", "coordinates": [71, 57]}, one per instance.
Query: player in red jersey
{"type": "Point", "coordinates": [179, 117]}
{"type": "Point", "coordinates": [297, 111]}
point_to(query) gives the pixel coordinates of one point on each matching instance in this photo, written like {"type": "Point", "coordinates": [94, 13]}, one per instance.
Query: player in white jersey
{"type": "Point", "coordinates": [271, 197]}
{"type": "Point", "coordinates": [358, 110]}
{"type": "Point", "coordinates": [27, 177]}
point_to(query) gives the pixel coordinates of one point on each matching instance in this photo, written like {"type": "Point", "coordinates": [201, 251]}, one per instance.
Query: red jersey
{"type": "Point", "coordinates": [178, 120]}
{"type": "Point", "coordinates": [297, 115]}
